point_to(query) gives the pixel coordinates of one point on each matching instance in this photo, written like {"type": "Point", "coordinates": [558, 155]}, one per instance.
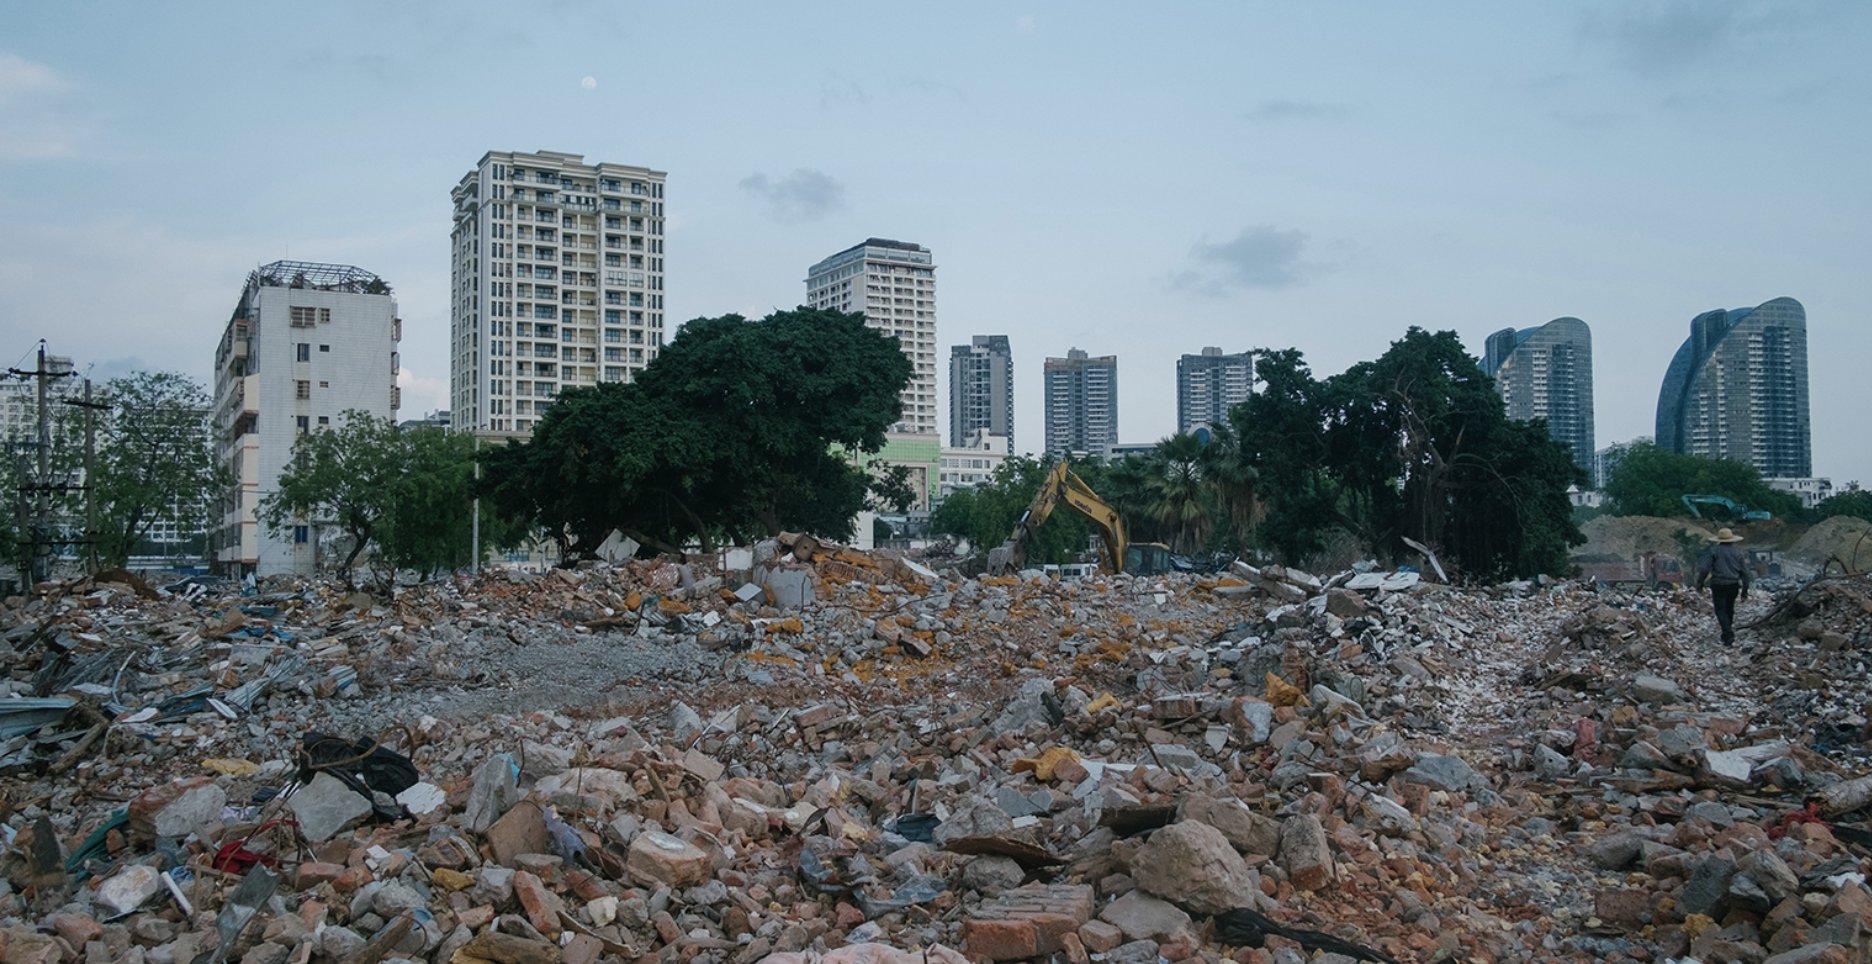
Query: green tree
{"type": "Point", "coordinates": [153, 461]}
{"type": "Point", "coordinates": [1280, 434]}
{"type": "Point", "coordinates": [1851, 501]}
{"type": "Point", "coordinates": [986, 515]}
{"type": "Point", "coordinates": [407, 496]}
{"type": "Point", "coordinates": [1180, 495]}
{"type": "Point", "coordinates": [344, 477]}
{"type": "Point", "coordinates": [1414, 444]}
{"type": "Point", "coordinates": [1647, 480]}
{"type": "Point", "coordinates": [738, 428]}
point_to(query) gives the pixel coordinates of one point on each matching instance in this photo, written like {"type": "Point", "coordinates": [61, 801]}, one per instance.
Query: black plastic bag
{"type": "Point", "coordinates": [364, 765]}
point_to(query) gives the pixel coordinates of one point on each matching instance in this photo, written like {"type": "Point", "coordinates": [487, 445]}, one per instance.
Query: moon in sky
{"type": "Point", "coordinates": [589, 83]}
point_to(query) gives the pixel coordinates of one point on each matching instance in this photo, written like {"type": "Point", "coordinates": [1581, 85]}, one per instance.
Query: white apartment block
{"type": "Point", "coordinates": [1811, 492]}
{"type": "Point", "coordinates": [893, 284]}
{"type": "Point", "coordinates": [307, 343]}
{"type": "Point", "coordinates": [19, 404]}
{"type": "Point", "coordinates": [557, 281]}
{"type": "Point", "coordinates": [972, 463]}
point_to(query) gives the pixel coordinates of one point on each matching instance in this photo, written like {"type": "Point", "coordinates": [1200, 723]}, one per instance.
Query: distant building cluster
{"type": "Point", "coordinates": [557, 280]}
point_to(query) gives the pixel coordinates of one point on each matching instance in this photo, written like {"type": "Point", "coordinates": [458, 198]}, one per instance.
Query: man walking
{"type": "Point", "coordinates": [1726, 572]}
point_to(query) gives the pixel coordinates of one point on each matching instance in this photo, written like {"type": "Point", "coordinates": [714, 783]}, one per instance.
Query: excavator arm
{"type": "Point", "coordinates": [1062, 485]}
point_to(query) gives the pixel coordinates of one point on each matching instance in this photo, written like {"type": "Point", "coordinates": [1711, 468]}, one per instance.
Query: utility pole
{"type": "Point", "coordinates": [38, 535]}
{"type": "Point", "coordinates": [42, 548]}
{"type": "Point", "coordinates": [90, 472]}
{"type": "Point", "coordinates": [474, 522]}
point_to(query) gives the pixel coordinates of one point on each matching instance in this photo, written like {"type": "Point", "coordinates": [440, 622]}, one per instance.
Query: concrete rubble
{"type": "Point", "coordinates": [800, 752]}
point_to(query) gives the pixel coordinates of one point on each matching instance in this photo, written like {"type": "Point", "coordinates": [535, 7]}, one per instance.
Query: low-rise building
{"type": "Point", "coordinates": [972, 463]}
{"type": "Point", "coordinates": [306, 344]}
{"type": "Point", "coordinates": [1811, 492]}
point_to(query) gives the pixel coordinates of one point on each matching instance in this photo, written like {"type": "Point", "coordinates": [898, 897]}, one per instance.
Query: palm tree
{"type": "Point", "coordinates": [1234, 482]}
{"type": "Point", "coordinates": [1179, 496]}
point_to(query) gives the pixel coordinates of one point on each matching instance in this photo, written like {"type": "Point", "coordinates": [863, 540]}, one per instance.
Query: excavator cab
{"type": "Point", "coordinates": [1147, 558]}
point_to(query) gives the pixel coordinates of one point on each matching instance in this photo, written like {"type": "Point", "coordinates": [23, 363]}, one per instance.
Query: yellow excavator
{"type": "Point", "coordinates": [1116, 552]}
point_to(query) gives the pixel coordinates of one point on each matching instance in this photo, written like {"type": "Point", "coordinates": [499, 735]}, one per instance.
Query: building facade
{"type": "Point", "coordinates": [1810, 492]}
{"type": "Point", "coordinates": [306, 343]}
{"type": "Point", "coordinates": [972, 462]}
{"type": "Point", "coordinates": [556, 281]}
{"type": "Point", "coordinates": [893, 284]}
{"type": "Point", "coordinates": [981, 389]}
{"type": "Point", "coordinates": [1547, 372]}
{"type": "Point", "coordinates": [1210, 384]}
{"type": "Point", "coordinates": [1737, 389]}
{"type": "Point", "coordinates": [1081, 404]}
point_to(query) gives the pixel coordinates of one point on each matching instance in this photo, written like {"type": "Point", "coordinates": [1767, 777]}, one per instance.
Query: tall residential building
{"type": "Point", "coordinates": [557, 281]}
{"type": "Point", "coordinates": [1737, 389]}
{"type": "Point", "coordinates": [307, 343]}
{"type": "Point", "coordinates": [893, 284]}
{"type": "Point", "coordinates": [1546, 372]}
{"type": "Point", "coordinates": [981, 389]}
{"type": "Point", "coordinates": [1210, 384]}
{"type": "Point", "coordinates": [1081, 404]}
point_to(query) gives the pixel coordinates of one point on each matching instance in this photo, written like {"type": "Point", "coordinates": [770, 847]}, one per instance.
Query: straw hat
{"type": "Point", "coordinates": [1725, 535]}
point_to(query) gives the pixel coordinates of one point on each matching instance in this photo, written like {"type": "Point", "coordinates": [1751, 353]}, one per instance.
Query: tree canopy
{"type": "Point", "coordinates": [405, 494]}
{"type": "Point", "coordinates": [986, 515]}
{"type": "Point", "coordinates": [738, 427]}
{"type": "Point", "coordinates": [1414, 444]}
{"type": "Point", "coordinates": [153, 461]}
{"type": "Point", "coordinates": [1648, 480]}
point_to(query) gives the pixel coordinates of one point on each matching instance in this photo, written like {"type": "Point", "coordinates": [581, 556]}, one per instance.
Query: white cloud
{"type": "Point", "coordinates": [20, 77]}
{"type": "Point", "coordinates": [422, 394]}
{"type": "Point", "coordinates": [35, 122]}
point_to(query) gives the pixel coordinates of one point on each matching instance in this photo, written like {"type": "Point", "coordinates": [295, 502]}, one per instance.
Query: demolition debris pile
{"type": "Point", "coordinates": [800, 752]}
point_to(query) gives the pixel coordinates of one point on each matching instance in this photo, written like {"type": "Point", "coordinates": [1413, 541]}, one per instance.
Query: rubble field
{"type": "Point", "coordinates": [804, 753]}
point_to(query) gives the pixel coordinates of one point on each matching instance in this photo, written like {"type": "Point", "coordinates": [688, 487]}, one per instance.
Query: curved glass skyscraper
{"type": "Point", "coordinates": [1546, 372]}
{"type": "Point", "coordinates": [1737, 389]}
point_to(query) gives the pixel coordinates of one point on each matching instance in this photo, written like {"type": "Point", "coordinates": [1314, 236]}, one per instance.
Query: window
{"type": "Point", "coordinates": [324, 384]}
{"type": "Point", "coordinates": [301, 535]}
{"type": "Point", "coordinates": [324, 419]}
{"type": "Point", "coordinates": [302, 316]}
{"type": "Point", "coordinates": [324, 348]}
{"type": "Point", "coordinates": [304, 423]}
{"type": "Point", "coordinates": [303, 351]}
{"type": "Point", "coordinates": [302, 389]}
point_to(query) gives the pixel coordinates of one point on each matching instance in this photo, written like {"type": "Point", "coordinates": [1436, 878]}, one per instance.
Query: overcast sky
{"type": "Point", "coordinates": [1142, 180]}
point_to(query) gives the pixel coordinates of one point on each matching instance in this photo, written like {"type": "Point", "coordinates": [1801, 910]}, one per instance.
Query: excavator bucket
{"type": "Point", "coordinates": [999, 557]}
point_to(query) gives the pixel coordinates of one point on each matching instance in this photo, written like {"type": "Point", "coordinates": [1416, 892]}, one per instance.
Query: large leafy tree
{"type": "Point", "coordinates": [343, 477]}
{"type": "Point", "coordinates": [1281, 435]}
{"type": "Point", "coordinates": [738, 428]}
{"type": "Point", "coordinates": [153, 461]}
{"type": "Point", "coordinates": [1414, 444]}
{"type": "Point", "coordinates": [1648, 480]}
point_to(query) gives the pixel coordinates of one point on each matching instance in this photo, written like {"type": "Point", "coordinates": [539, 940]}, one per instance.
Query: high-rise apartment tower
{"type": "Point", "coordinates": [893, 284]}
{"type": "Point", "coordinates": [306, 344]}
{"type": "Point", "coordinates": [981, 389]}
{"type": "Point", "coordinates": [1210, 384]}
{"type": "Point", "coordinates": [557, 281]}
{"type": "Point", "coordinates": [1081, 404]}
{"type": "Point", "coordinates": [1737, 389]}
{"type": "Point", "coordinates": [1546, 372]}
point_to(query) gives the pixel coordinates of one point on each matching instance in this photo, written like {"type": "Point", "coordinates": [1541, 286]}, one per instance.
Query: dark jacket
{"type": "Point", "coordinates": [1725, 565]}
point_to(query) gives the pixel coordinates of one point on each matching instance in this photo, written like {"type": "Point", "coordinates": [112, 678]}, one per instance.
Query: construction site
{"type": "Point", "coordinates": [796, 752]}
